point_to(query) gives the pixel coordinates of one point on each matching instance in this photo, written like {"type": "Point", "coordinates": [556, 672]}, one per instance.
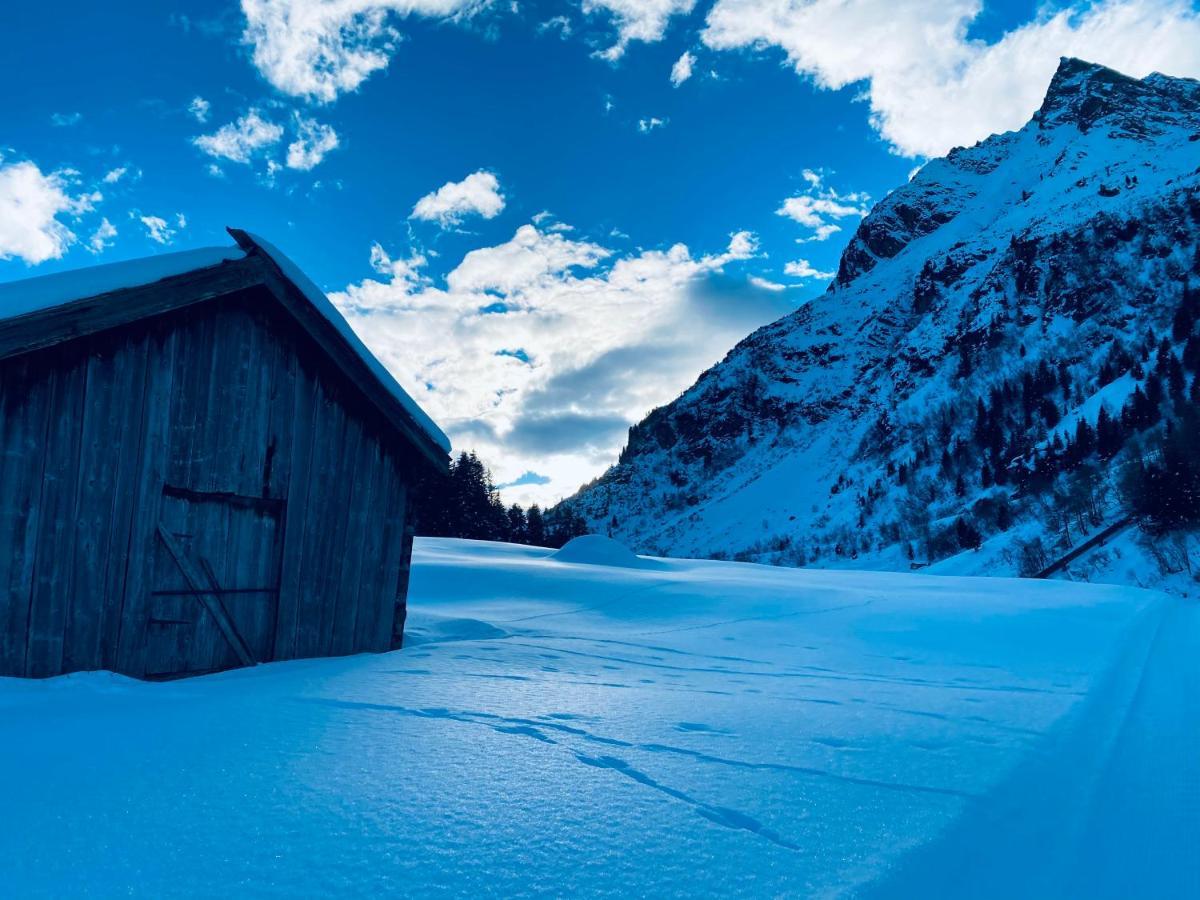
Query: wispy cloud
{"type": "Point", "coordinates": [199, 109]}
{"type": "Point", "coordinates": [240, 141]}
{"type": "Point", "coordinates": [102, 238]}
{"type": "Point", "coordinates": [682, 70]}
{"type": "Point", "coordinates": [313, 142]}
{"type": "Point", "coordinates": [159, 230]}
{"type": "Point", "coordinates": [804, 270]}
{"type": "Point", "coordinates": [819, 205]}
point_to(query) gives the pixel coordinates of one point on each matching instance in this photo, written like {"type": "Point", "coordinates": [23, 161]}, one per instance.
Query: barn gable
{"type": "Point", "coordinates": [193, 478]}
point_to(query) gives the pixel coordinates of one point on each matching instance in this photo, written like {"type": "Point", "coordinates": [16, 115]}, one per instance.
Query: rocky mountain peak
{"type": "Point", "coordinates": [1084, 94]}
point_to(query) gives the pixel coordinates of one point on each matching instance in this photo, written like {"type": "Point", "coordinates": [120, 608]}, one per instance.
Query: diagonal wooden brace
{"type": "Point", "coordinates": [205, 588]}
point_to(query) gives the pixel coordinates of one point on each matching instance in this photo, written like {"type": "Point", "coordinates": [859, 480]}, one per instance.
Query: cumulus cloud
{"type": "Point", "coordinates": [114, 175]}
{"type": "Point", "coordinates": [476, 195]}
{"type": "Point", "coordinates": [929, 86]}
{"type": "Point", "coordinates": [102, 237]}
{"type": "Point", "coordinates": [637, 20]}
{"type": "Point", "coordinates": [803, 269]}
{"type": "Point", "coordinates": [240, 141]}
{"type": "Point", "coordinates": [320, 49]}
{"type": "Point", "coordinates": [819, 205]}
{"type": "Point", "coordinates": [199, 108]}
{"type": "Point", "coordinates": [313, 141]}
{"type": "Point", "coordinates": [540, 351]}
{"type": "Point", "coordinates": [66, 120]}
{"type": "Point", "coordinates": [31, 203]}
{"type": "Point", "coordinates": [682, 70]}
{"type": "Point", "coordinates": [649, 124]}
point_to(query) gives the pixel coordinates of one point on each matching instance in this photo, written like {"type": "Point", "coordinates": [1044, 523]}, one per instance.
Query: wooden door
{"type": "Point", "coordinates": [214, 597]}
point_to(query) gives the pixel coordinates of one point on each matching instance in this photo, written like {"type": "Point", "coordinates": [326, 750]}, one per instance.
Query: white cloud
{"type": "Point", "coordinates": [819, 204]}
{"type": "Point", "coordinates": [476, 195]}
{"type": "Point", "coordinates": [239, 141]}
{"type": "Point", "coordinates": [313, 141]}
{"type": "Point", "coordinates": [102, 237]}
{"type": "Point", "coordinates": [766, 285]}
{"type": "Point", "coordinates": [647, 125]}
{"type": "Point", "coordinates": [66, 120]}
{"type": "Point", "coordinates": [199, 108]}
{"type": "Point", "coordinates": [682, 70]}
{"type": "Point", "coordinates": [637, 20]}
{"type": "Point", "coordinates": [322, 48]}
{"type": "Point", "coordinates": [802, 268]}
{"type": "Point", "coordinates": [561, 24]}
{"type": "Point", "coordinates": [30, 205]}
{"type": "Point", "coordinates": [540, 351]}
{"type": "Point", "coordinates": [930, 87]}
{"type": "Point", "coordinates": [157, 228]}
{"type": "Point", "coordinates": [114, 175]}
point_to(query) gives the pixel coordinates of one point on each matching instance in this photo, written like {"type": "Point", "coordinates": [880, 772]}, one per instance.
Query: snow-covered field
{"type": "Point", "coordinates": [640, 727]}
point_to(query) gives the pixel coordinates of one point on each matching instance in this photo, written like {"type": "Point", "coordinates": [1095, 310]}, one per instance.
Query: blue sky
{"type": "Point", "coordinates": [545, 217]}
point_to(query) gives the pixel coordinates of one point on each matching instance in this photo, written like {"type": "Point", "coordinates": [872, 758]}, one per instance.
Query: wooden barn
{"type": "Point", "coordinates": [201, 467]}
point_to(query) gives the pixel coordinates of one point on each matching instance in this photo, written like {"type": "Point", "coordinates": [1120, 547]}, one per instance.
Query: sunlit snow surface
{"type": "Point", "coordinates": [685, 728]}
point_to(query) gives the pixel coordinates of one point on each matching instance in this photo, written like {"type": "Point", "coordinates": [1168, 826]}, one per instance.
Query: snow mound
{"type": "Point", "coordinates": [440, 630]}
{"type": "Point", "coordinates": [598, 550]}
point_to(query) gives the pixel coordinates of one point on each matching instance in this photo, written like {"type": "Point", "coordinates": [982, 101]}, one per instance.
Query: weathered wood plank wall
{"type": "Point", "coordinates": [225, 424]}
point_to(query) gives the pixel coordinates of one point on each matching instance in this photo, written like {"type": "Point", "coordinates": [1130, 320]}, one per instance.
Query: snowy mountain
{"type": "Point", "coordinates": [930, 400]}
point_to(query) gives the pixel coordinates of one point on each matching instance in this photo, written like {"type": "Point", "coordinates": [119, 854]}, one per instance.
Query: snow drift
{"type": "Point", "coordinates": [597, 730]}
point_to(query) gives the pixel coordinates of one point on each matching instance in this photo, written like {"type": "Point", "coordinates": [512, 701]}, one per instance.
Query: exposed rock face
{"type": "Point", "coordinates": [1049, 245]}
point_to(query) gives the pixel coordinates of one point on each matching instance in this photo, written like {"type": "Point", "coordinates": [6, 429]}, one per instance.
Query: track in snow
{"type": "Point", "coordinates": [1110, 805]}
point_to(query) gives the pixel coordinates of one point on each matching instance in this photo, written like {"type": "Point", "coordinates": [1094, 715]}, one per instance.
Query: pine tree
{"type": "Point", "coordinates": [1184, 319]}
{"type": "Point", "coordinates": [536, 526]}
{"type": "Point", "coordinates": [1154, 393]}
{"type": "Point", "coordinates": [1162, 488]}
{"type": "Point", "coordinates": [1176, 381]}
{"type": "Point", "coordinates": [1191, 353]}
{"type": "Point", "coordinates": [1109, 435]}
{"type": "Point", "coordinates": [518, 529]}
{"type": "Point", "coordinates": [1085, 440]}
{"type": "Point", "coordinates": [967, 534]}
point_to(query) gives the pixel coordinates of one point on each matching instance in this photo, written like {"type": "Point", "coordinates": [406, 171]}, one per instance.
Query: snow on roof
{"type": "Point", "coordinates": [31, 295]}
{"type": "Point", "coordinates": [17, 298]}
{"type": "Point", "coordinates": [317, 298]}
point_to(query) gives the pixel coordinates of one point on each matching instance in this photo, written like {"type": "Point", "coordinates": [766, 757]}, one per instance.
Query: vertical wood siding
{"type": "Point", "coordinates": [225, 425]}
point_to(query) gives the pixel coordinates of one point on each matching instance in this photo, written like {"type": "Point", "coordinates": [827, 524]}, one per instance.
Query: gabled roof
{"type": "Point", "coordinates": [44, 311]}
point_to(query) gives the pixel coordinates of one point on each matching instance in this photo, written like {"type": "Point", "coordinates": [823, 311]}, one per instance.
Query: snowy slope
{"type": "Point", "coordinates": [1050, 245]}
{"type": "Point", "coordinates": [638, 727]}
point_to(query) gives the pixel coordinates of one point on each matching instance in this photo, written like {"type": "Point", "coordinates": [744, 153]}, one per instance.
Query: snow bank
{"type": "Point", "coordinates": [598, 550]}
{"type": "Point", "coordinates": [698, 728]}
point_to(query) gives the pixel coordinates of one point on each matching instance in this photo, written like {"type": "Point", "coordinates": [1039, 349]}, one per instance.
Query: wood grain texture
{"type": "Point", "coordinates": [225, 425]}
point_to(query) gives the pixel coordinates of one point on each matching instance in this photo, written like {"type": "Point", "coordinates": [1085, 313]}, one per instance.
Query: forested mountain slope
{"type": "Point", "coordinates": [931, 401]}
